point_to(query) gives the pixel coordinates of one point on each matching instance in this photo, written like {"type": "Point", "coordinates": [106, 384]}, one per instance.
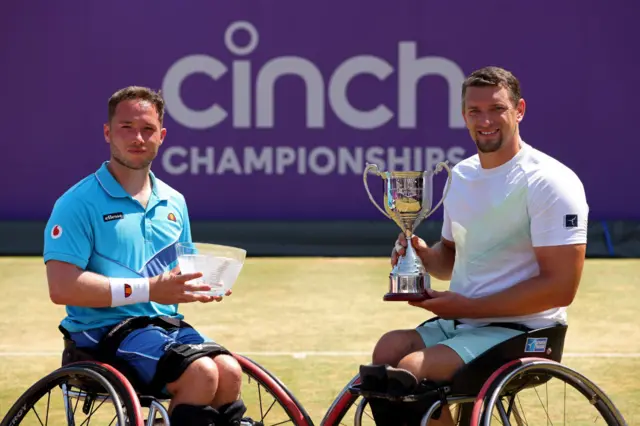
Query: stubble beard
{"type": "Point", "coordinates": [488, 147]}
{"type": "Point", "coordinates": [141, 166]}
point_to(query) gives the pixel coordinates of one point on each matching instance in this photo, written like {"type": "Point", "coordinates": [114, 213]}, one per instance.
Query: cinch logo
{"type": "Point", "coordinates": [410, 70]}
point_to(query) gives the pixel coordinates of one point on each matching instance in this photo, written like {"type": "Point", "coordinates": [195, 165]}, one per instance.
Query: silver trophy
{"type": "Point", "coordinates": [408, 197]}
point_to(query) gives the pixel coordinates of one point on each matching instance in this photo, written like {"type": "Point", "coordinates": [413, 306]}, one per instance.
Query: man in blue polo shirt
{"type": "Point", "coordinates": [110, 258]}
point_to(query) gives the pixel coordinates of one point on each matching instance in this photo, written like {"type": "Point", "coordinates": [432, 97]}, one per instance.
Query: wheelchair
{"type": "Point", "coordinates": [491, 390]}
{"type": "Point", "coordinates": [86, 391]}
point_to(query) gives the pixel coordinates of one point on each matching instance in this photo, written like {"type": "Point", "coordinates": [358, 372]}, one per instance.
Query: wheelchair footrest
{"type": "Point", "coordinates": [382, 381]}
{"type": "Point", "coordinates": [422, 393]}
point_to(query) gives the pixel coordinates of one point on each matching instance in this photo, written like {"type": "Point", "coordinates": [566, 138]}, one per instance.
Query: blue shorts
{"type": "Point", "coordinates": [467, 341]}
{"type": "Point", "coordinates": [143, 347]}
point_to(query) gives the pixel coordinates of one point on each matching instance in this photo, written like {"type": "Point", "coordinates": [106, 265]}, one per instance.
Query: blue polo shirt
{"type": "Point", "coordinates": [98, 227]}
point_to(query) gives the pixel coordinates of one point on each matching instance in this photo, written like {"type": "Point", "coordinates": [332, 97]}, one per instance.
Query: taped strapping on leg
{"type": "Point", "coordinates": [178, 357]}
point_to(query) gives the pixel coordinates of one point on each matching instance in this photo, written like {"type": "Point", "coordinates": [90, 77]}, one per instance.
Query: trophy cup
{"type": "Point", "coordinates": [408, 197]}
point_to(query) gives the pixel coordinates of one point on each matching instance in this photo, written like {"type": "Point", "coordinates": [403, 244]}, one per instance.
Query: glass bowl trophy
{"type": "Point", "coordinates": [408, 198]}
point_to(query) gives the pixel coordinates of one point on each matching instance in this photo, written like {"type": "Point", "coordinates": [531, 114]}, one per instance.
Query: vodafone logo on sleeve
{"type": "Point", "coordinates": [56, 232]}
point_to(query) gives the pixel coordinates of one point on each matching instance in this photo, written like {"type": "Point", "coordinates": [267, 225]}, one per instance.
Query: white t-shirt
{"type": "Point", "coordinates": [497, 216]}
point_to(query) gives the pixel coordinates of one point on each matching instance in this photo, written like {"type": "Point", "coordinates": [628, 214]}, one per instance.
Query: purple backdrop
{"type": "Point", "coordinates": [273, 107]}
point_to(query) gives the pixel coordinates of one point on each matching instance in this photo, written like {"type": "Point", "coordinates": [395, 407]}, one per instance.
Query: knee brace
{"type": "Point", "coordinates": [194, 415]}
{"type": "Point", "coordinates": [178, 357]}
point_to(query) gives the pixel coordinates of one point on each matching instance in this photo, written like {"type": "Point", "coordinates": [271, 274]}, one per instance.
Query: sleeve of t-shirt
{"type": "Point", "coordinates": [68, 235]}
{"type": "Point", "coordinates": [447, 234]}
{"type": "Point", "coordinates": [558, 209]}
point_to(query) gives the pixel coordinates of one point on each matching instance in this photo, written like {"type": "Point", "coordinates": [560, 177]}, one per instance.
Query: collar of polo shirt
{"type": "Point", "coordinates": [114, 189]}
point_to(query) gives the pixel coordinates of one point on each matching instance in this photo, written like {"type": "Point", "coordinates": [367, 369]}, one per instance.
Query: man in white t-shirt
{"type": "Point", "coordinates": [513, 242]}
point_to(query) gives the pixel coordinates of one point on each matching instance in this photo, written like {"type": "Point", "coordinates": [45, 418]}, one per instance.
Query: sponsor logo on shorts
{"type": "Point", "coordinates": [172, 217]}
{"type": "Point", "coordinates": [127, 290]}
{"type": "Point", "coordinates": [56, 232]}
{"type": "Point", "coordinates": [536, 344]}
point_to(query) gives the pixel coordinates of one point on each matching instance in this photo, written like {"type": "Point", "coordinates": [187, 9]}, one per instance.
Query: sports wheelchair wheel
{"type": "Point", "coordinates": [532, 391]}
{"type": "Point", "coordinates": [90, 382]}
{"type": "Point", "coordinates": [100, 387]}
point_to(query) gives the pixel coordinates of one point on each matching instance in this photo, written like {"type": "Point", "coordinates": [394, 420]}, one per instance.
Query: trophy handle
{"type": "Point", "coordinates": [439, 168]}
{"type": "Point", "coordinates": [374, 169]}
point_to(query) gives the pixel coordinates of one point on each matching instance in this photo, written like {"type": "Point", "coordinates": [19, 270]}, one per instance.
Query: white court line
{"type": "Point", "coordinates": [305, 354]}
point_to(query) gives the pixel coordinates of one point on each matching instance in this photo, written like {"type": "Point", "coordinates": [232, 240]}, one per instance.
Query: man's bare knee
{"type": "Point", "coordinates": [229, 372]}
{"type": "Point", "coordinates": [198, 383]}
{"type": "Point", "coordinates": [395, 345]}
{"type": "Point", "coordinates": [438, 363]}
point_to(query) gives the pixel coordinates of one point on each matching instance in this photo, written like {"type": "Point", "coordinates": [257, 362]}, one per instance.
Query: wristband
{"type": "Point", "coordinates": [127, 291]}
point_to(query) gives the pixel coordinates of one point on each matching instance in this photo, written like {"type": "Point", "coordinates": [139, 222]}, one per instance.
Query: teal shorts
{"type": "Point", "coordinates": [468, 342]}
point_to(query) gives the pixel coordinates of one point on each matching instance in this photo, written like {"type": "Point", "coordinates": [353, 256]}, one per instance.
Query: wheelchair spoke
{"type": "Point", "coordinates": [520, 412]}
{"type": "Point", "coordinates": [269, 409]}
{"type": "Point", "coordinates": [46, 418]}
{"type": "Point", "coordinates": [264, 413]}
{"type": "Point", "coordinates": [282, 423]}
{"type": "Point", "coordinates": [36, 413]}
{"type": "Point", "coordinates": [77, 402]}
{"type": "Point", "coordinates": [88, 419]}
{"type": "Point", "coordinates": [565, 404]}
{"type": "Point", "coordinates": [259, 399]}
{"type": "Point", "coordinates": [546, 410]}
{"type": "Point", "coordinates": [267, 401]}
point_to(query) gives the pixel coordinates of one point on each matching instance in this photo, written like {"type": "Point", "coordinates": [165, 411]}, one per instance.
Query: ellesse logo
{"type": "Point", "coordinates": [113, 216]}
{"type": "Point", "coordinates": [127, 290]}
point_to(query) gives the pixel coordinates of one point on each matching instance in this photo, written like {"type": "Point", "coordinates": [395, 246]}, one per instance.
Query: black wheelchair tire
{"type": "Point", "coordinates": [586, 387]}
{"type": "Point", "coordinates": [32, 395]}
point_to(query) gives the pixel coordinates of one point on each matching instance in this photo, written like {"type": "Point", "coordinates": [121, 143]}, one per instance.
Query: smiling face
{"type": "Point", "coordinates": [492, 116]}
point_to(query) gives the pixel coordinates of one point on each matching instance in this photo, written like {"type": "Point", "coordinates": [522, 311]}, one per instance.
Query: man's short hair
{"type": "Point", "coordinates": [493, 76]}
{"type": "Point", "coordinates": [136, 92]}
